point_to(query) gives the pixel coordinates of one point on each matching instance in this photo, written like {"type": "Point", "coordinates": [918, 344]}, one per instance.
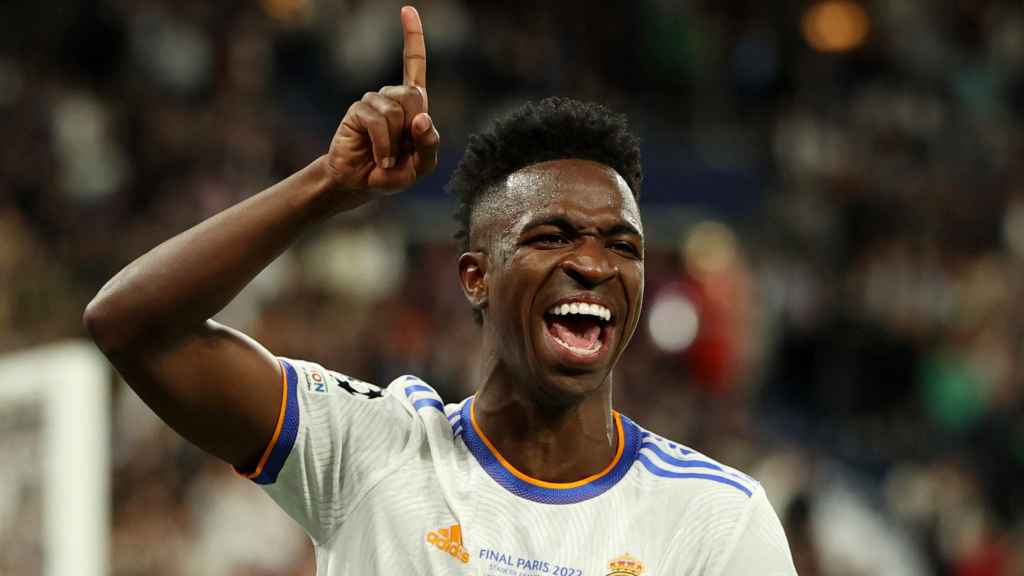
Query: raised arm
{"type": "Point", "coordinates": [218, 388]}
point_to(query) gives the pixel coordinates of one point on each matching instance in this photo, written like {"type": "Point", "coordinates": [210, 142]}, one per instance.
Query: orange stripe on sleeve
{"type": "Point", "coordinates": [277, 428]}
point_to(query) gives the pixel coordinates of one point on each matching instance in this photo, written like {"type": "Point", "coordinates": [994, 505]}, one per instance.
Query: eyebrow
{"type": "Point", "coordinates": [563, 223]}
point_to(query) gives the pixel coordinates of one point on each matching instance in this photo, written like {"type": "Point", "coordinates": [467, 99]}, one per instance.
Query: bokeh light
{"type": "Point", "coordinates": [288, 12]}
{"type": "Point", "coordinates": [672, 322]}
{"type": "Point", "coordinates": [709, 247]}
{"type": "Point", "coordinates": [834, 212]}
{"type": "Point", "coordinates": [835, 25]}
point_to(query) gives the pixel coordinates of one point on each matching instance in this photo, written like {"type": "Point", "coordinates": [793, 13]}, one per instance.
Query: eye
{"type": "Point", "coordinates": [624, 247]}
{"type": "Point", "coordinates": [549, 240]}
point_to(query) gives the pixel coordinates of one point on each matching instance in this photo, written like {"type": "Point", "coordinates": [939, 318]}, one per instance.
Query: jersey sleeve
{"type": "Point", "coordinates": [760, 545]}
{"type": "Point", "coordinates": [336, 436]}
{"type": "Point", "coordinates": [730, 534]}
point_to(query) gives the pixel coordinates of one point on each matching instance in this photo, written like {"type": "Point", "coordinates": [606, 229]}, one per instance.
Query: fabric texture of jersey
{"type": "Point", "coordinates": [392, 481]}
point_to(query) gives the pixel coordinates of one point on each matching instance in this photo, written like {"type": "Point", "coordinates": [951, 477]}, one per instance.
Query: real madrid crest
{"type": "Point", "coordinates": [625, 565]}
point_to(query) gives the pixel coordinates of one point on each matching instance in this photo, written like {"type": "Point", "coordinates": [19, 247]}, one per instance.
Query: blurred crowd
{"type": "Point", "coordinates": [835, 212]}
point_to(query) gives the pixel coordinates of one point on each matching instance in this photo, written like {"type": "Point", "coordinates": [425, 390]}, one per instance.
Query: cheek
{"type": "Point", "coordinates": [508, 293]}
{"type": "Point", "coordinates": [633, 276]}
{"type": "Point", "coordinates": [522, 279]}
{"type": "Point", "coordinates": [633, 279]}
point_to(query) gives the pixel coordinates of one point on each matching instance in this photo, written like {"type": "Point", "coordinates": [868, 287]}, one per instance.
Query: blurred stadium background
{"type": "Point", "coordinates": [834, 203]}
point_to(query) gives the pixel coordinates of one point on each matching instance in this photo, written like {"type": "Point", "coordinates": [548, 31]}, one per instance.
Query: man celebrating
{"type": "Point", "coordinates": [534, 475]}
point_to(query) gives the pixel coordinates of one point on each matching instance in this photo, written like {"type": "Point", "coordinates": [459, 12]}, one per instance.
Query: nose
{"type": "Point", "coordinates": [589, 264]}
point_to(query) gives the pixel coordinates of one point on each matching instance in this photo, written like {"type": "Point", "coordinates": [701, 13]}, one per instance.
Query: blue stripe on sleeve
{"type": "Point", "coordinates": [654, 469]}
{"type": "Point", "coordinates": [432, 402]}
{"type": "Point", "coordinates": [651, 436]}
{"type": "Point", "coordinates": [410, 390]}
{"type": "Point", "coordinates": [289, 430]}
{"type": "Point", "coordinates": [669, 459]}
{"type": "Point", "coordinates": [681, 463]}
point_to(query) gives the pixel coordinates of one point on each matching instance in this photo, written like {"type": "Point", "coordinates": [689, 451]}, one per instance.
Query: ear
{"type": "Point", "coordinates": [473, 278]}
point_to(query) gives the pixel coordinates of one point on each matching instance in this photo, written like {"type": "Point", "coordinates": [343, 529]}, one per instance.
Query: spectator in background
{"type": "Point", "coordinates": [886, 236]}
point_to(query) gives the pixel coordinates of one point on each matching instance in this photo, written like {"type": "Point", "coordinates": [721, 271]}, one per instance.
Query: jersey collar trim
{"type": "Point", "coordinates": [524, 486]}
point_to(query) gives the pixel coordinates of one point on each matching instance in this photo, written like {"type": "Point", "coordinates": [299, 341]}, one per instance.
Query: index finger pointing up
{"type": "Point", "coordinates": [414, 54]}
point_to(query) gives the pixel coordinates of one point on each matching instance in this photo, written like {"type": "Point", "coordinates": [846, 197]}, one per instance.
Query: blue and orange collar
{"type": "Point", "coordinates": [518, 483]}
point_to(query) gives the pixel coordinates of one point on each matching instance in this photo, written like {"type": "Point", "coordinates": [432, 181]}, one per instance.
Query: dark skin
{"type": "Point", "coordinates": [215, 386]}
{"type": "Point", "coordinates": [564, 229]}
{"type": "Point", "coordinates": [578, 233]}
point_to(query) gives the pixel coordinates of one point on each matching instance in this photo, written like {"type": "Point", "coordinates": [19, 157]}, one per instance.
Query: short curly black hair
{"type": "Point", "coordinates": [552, 129]}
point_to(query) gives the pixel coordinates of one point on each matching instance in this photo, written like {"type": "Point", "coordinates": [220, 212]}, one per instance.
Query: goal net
{"type": "Point", "coordinates": [54, 446]}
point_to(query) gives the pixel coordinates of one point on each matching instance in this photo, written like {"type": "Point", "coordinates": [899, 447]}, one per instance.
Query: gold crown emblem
{"type": "Point", "coordinates": [625, 565]}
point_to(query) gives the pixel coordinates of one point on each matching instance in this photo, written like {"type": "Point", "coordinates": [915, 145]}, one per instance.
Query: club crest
{"type": "Point", "coordinates": [626, 565]}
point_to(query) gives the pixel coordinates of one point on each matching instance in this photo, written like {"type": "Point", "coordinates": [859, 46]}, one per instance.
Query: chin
{"type": "Point", "coordinates": [563, 386]}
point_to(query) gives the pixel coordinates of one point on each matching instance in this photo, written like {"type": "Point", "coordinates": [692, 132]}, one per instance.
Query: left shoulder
{"type": "Point", "coordinates": [721, 519]}
{"type": "Point", "coordinates": [416, 395]}
{"type": "Point", "coordinates": [668, 465]}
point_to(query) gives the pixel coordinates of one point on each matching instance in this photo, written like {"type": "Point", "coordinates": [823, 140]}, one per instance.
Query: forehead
{"type": "Point", "coordinates": [575, 189]}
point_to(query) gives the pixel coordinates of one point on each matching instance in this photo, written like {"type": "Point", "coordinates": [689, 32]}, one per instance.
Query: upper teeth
{"type": "Point", "coordinates": [581, 308]}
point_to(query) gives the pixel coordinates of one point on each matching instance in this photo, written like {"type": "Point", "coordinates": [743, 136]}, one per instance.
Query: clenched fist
{"type": "Point", "coordinates": [387, 139]}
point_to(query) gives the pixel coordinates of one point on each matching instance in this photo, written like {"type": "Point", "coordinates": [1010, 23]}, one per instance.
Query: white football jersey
{"type": "Point", "coordinates": [392, 481]}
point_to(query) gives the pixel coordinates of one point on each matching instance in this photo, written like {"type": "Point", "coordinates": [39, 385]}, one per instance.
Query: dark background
{"type": "Point", "coordinates": [834, 203]}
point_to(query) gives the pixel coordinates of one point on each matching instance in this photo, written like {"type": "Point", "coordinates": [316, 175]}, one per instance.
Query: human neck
{"type": "Point", "coordinates": [562, 443]}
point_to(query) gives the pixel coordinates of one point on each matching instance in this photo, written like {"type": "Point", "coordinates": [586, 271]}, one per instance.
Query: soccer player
{"type": "Point", "coordinates": [535, 474]}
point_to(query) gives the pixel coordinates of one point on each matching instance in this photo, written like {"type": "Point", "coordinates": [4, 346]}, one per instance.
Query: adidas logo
{"type": "Point", "coordinates": [449, 540]}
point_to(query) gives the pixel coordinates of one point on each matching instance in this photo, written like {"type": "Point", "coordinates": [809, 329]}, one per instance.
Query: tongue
{"type": "Point", "coordinates": [576, 332]}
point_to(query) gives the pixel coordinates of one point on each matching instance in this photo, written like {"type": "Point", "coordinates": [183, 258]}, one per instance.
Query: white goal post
{"type": "Point", "coordinates": [55, 446]}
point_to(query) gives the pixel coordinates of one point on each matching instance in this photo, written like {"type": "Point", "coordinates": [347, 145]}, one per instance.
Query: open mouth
{"type": "Point", "coordinates": [579, 330]}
